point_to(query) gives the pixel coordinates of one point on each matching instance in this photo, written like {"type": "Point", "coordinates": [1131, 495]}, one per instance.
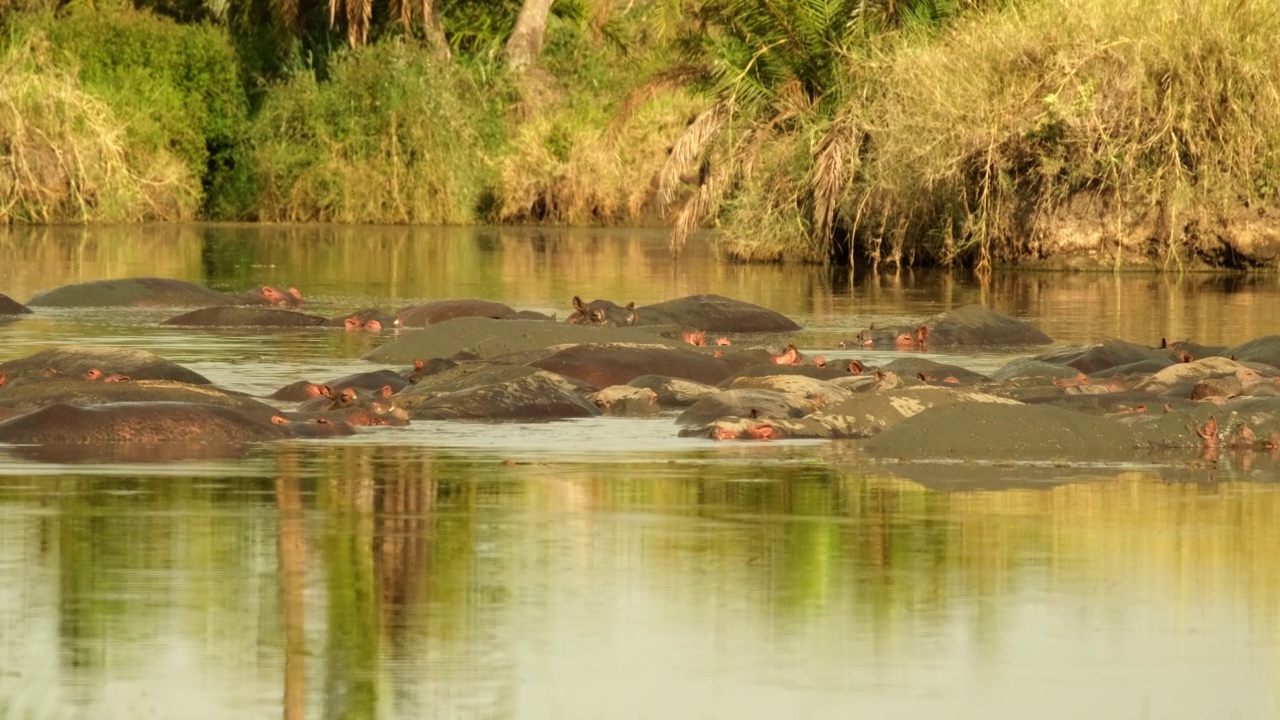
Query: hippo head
{"type": "Point", "coordinates": [601, 313]}
{"type": "Point", "coordinates": [289, 298]}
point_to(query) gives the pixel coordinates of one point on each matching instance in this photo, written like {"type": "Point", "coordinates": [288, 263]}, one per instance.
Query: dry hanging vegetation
{"type": "Point", "coordinates": [1088, 130]}
{"type": "Point", "coordinates": [576, 168]}
{"type": "Point", "coordinates": [64, 156]}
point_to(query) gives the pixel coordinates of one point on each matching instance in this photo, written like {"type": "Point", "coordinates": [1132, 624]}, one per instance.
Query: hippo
{"type": "Point", "coordinates": [967, 326]}
{"type": "Point", "coordinates": [626, 400]}
{"type": "Point", "coordinates": [9, 306]}
{"type": "Point", "coordinates": [488, 339]}
{"type": "Point", "coordinates": [748, 403]}
{"type": "Point", "coordinates": [369, 320]}
{"type": "Point", "coordinates": [1265, 349]}
{"type": "Point", "coordinates": [934, 372]}
{"type": "Point", "coordinates": [618, 363]}
{"type": "Point", "coordinates": [75, 361]}
{"type": "Point", "coordinates": [1004, 431]}
{"type": "Point", "coordinates": [537, 395]}
{"type": "Point", "coordinates": [377, 407]}
{"type": "Point", "coordinates": [84, 392]}
{"type": "Point", "coordinates": [673, 392]}
{"type": "Point", "coordinates": [441, 310]}
{"type": "Point", "coordinates": [240, 316]}
{"type": "Point", "coordinates": [1108, 354]}
{"type": "Point", "coordinates": [159, 292]}
{"type": "Point", "coordinates": [708, 313]}
{"type": "Point", "coordinates": [146, 422]}
{"type": "Point", "coordinates": [371, 380]}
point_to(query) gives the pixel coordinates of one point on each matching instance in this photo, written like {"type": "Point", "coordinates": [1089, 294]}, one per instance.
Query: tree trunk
{"type": "Point", "coordinates": [525, 43]}
{"type": "Point", "coordinates": [433, 30]}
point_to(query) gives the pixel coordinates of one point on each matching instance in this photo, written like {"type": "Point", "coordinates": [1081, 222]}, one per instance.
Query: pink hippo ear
{"type": "Point", "coordinates": [578, 304]}
{"type": "Point", "coordinates": [386, 391]}
{"type": "Point", "coordinates": [93, 374]}
{"type": "Point", "coordinates": [419, 364]}
{"type": "Point", "coordinates": [279, 420]}
{"type": "Point", "coordinates": [326, 391]}
{"type": "Point", "coordinates": [351, 323]}
{"type": "Point", "coordinates": [295, 294]}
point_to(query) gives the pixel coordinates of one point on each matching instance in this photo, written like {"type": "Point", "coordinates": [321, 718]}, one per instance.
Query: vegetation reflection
{"type": "Point", "coordinates": [357, 563]}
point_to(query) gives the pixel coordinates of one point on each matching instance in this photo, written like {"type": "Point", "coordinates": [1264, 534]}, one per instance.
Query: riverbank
{"type": "Point", "coordinates": [1037, 133]}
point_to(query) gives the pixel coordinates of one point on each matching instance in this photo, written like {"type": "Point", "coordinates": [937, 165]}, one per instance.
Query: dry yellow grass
{"type": "Point", "coordinates": [1121, 133]}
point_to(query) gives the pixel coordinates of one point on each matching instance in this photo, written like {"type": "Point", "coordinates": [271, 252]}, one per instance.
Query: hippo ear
{"type": "Point", "coordinates": [631, 306]}
{"type": "Point", "coordinates": [419, 364]}
{"type": "Point", "coordinates": [326, 391]}
{"type": "Point", "coordinates": [279, 420]}
{"type": "Point", "coordinates": [578, 304]}
{"type": "Point", "coordinates": [386, 391]}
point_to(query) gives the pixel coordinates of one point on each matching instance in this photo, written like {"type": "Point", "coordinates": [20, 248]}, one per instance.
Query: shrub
{"type": "Point", "coordinates": [390, 137]}
{"type": "Point", "coordinates": [175, 88]}
{"type": "Point", "coordinates": [65, 155]}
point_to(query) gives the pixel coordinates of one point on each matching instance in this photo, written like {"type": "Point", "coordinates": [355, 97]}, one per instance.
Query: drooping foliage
{"type": "Point", "coordinates": [773, 69]}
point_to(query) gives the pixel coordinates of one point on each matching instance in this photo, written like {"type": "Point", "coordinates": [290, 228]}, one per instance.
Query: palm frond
{"type": "Point", "coordinates": [680, 76]}
{"type": "Point", "coordinates": [833, 168]}
{"type": "Point", "coordinates": [690, 149]}
{"type": "Point", "coordinates": [699, 205]}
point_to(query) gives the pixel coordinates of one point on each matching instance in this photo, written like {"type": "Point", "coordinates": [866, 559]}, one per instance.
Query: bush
{"type": "Point", "coordinates": [1120, 133]}
{"type": "Point", "coordinates": [175, 88]}
{"type": "Point", "coordinates": [65, 155]}
{"type": "Point", "coordinates": [389, 138]}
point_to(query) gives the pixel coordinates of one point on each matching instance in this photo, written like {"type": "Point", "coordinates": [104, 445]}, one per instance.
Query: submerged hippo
{"type": "Point", "coordinates": [969, 326]}
{"type": "Point", "coordinates": [238, 316]}
{"type": "Point", "coordinates": [709, 313]}
{"type": "Point", "coordinates": [76, 361]}
{"type": "Point", "coordinates": [9, 306]}
{"type": "Point", "coordinates": [159, 292]}
{"type": "Point", "coordinates": [370, 320]}
{"type": "Point", "coordinates": [144, 422]}
{"type": "Point", "coordinates": [441, 310]}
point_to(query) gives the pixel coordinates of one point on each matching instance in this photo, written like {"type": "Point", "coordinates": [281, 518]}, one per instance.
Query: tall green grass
{"type": "Point", "coordinates": [390, 137]}
{"type": "Point", "coordinates": [68, 156]}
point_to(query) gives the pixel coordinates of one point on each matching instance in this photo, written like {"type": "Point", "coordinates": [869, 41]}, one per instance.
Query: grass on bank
{"type": "Point", "coordinates": [1017, 133]}
{"type": "Point", "coordinates": [65, 154]}
{"type": "Point", "coordinates": [391, 137]}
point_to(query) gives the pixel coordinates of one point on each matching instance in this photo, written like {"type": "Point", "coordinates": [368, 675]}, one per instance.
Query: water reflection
{"type": "Point", "coordinates": [605, 567]}
{"type": "Point", "coordinates": [374, 582]}
{"type": "Point", "coordinates": [344, 267]}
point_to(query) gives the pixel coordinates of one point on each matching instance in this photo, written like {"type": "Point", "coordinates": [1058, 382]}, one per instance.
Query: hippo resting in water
{"type": "Point", "coordinates": [159, 292]}
{"type": "Point", "coordinates": [153, 422]}
{"type": "Point", "coordinates": [971, 325]}
{"type": "Point", "coordinates": [9, 306]}
{"type": "Point", "coordinates": [711, 313]}
{"type": "Point", "coordinates": [77, 361]}
{"type": "Point", "coordinates": [441, 310]}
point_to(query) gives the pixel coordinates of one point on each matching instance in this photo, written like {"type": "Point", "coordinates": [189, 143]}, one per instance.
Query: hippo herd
{"type": "Point", "coordinates": [722, 368]}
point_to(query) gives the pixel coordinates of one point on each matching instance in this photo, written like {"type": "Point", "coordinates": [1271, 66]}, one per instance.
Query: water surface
{"type": "Point", "coordinates": [606, 567]}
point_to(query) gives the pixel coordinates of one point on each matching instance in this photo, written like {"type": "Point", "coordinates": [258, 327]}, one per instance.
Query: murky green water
{"type": "Point", "coordinates": [606, 568]}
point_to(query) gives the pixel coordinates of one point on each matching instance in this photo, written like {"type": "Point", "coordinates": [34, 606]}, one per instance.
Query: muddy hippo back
{"type": "Point", "coordinates": [76, 360]}
{"type": "Point", "coordinates": [715, 313]}
{"type": "Point", "coordinates": [137, 422]}
{"type": "Point", "coordinates": [130, 292]}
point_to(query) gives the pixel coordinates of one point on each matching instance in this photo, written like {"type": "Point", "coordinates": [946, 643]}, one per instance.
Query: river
{"type": "Point", "coordinates": [606, 568]}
